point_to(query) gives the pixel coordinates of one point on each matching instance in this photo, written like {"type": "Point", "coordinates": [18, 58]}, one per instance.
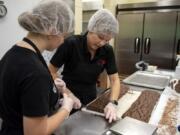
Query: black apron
{"type": "Point", "coordinates": [53, 96]}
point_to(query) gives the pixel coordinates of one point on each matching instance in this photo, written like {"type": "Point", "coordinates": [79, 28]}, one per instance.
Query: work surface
{"type": "Point", "coordinates": [82, 123]}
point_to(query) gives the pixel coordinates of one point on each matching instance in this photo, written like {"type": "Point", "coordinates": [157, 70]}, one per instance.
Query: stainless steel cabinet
{"type": "Point", "coordinates": [159, 34]}
{"type": "Point", "coordinates": [128, 41]}
{"type": "Point", "coordinates": [178, 36]}
{"type": "Point", "coordinates": [145, 36]}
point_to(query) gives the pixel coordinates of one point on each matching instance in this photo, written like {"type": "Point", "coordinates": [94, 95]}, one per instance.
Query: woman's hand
{"type": "Point", "coordinates": [77, 102]}
{"type": "Point", "coordinates": [110, 112]}
{"type": "Point", "coordinates": [67, 102]}
{"type": "Point", "coordinates": [60, 84]}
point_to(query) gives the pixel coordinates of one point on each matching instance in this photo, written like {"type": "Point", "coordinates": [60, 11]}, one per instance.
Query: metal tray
{"type": "Point", "coordinates": [149, 80]}
{"type": "Point", "coordinates": [130, 126]}
{"type": "Point", "coordinates": [84, 109]}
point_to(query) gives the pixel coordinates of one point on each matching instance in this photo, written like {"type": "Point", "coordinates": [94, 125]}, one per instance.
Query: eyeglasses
{"type": "Point", "coordinates": [103, 38]}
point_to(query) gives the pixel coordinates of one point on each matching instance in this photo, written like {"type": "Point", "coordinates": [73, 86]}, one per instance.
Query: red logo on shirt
{"type": "Point", "coordinates": [101, 62]}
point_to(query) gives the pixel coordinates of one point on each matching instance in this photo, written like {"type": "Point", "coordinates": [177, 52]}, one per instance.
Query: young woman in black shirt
{"type": "Point", "coordinates": [27, 96]}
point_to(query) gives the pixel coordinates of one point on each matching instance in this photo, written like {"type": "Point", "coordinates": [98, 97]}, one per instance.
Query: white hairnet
{"type": "Point", "coordinates": [103, 22]}
{"type": "Point", "coordinates": [49, 17]}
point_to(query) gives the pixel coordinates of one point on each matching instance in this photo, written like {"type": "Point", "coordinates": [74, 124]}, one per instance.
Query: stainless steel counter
{"type": "Point", "coordinates": [81, 123]}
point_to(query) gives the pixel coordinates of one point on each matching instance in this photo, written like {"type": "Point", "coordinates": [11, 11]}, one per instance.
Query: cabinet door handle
{"type": "Point", "coordinates": [178, 47]}
{"type": "Point", "coordinates": [147, 45]}
{"type": "Point", "coordinates": [136, 45]}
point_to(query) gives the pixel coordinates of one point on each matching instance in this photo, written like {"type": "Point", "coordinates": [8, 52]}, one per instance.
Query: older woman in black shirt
{"type": "Point", "coordinates": [84, 57]}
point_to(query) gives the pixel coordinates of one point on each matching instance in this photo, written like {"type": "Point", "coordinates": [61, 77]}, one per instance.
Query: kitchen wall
{"type": "Point", "coordinates": [11, 32]}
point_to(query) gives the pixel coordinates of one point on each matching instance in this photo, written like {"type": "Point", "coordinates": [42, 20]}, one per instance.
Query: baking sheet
{"type": "Point", "coordinates": [147, 79]}
{"type": "Point", "coordinates": [124, 103]}
{"type": "Point", "coordinates": [84, 109]}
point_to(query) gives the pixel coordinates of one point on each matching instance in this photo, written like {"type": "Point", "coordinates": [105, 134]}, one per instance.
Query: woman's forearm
{"type": "Point", "coordinates": [115, 87]}
{"type": "Point", "coordinates": [53, 70]}
{"type": "Point", "coordinates": [56, 120]}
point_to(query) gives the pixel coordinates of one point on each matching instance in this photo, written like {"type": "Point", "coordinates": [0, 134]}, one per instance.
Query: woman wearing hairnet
{"type": "Point", "coordinates": [27, 98]}
{"type": "Point", "coordinates": [84, 57]}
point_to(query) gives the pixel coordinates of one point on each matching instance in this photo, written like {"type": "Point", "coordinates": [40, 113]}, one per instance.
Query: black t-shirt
{"type": "Point", "coordinates": [26, 89]}
{"type": "Point", "coordinates": [80, 71]}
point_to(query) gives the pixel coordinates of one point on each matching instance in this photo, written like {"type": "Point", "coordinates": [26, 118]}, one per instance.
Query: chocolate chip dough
{"type": "Point", "coordinates": [142, 108]}
{"type": "Point", "coordinates": [99, 103]}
